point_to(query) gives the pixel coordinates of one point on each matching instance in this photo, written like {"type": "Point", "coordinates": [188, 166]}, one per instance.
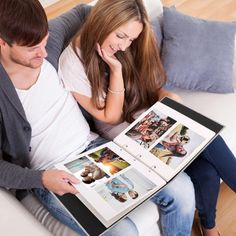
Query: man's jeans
{"type": "Point", "coordinates": [176, 203]}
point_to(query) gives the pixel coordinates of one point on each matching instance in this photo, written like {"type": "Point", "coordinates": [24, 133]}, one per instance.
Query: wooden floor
{"type": "Point", "coordinates": [207, 9]}
{"type": "Point", "coordinates": [224, 10]}
{"type": "Point", "coordinates": [62, 6]}
{"type": "Point", "coordinates": [226, 213]}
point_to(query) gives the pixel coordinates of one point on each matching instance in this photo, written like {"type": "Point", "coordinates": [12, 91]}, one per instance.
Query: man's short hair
{"type": "Point", "coordinates": [23, 22]}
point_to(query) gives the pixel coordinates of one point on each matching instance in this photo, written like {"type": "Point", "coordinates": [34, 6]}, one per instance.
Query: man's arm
{"type": "Point", "coordinates": [62, 29]}
{"type": "Point", "coordinates": [17, 177]}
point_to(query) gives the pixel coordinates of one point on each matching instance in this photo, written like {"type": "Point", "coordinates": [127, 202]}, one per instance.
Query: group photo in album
{"type": "Point", "coordinates": [150, 128]}
{"type": "Point", "coordinates": [173, 147]}
{"type": "Point", "coordinates": [177, 145]}
{"type": "Point", "coordinates": [122, 174]}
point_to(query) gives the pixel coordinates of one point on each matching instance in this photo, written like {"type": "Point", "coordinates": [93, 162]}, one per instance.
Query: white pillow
{"type": "Point", "coordinates": [154, 8]}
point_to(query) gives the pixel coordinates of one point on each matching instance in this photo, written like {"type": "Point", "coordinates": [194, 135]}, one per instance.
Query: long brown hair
{"type": "Point", "coordinates": [141, 66]}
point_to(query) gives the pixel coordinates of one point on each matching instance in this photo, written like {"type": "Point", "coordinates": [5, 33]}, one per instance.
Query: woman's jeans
{"type": "Point", "coordinates": [215, 162]}
{"type": "Point", "coordinates": [176, 204]}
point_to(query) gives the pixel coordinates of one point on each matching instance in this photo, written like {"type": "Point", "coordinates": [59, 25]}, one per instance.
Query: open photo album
{"type": "Point", "coordinates": [120, 175]}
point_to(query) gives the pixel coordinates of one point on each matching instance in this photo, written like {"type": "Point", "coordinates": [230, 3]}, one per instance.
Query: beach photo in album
{"type": "Point", "coordinates": [109, 160]}
{"type": "Point", "coordinates": [150, 128]}
{"type": "Point", "coordinates": [177, 146]}
{"type": "Point", "coordinates": [86, 171]}
{"type": "Point", "coordinates": [124, 189]}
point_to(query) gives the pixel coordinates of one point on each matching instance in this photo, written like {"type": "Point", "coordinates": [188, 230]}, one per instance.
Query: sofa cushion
{"type": "Point", "coordinates": [198, 54]}
{"type": "Point", "coordinates": [157, 29]}
{"type": "Point", "coordinates": [234, 66]}
{"type": "Point", "coordinates": [16, 220]}
{"type": "Point", "coordinates": [219, 107]}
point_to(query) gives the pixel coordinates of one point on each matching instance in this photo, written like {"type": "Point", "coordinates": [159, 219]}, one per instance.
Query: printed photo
{"type": "Point", "coordinates": [150, 128]}
{"type": "Point", "coordinates": [121, 191]}
{"type": "Point", "coordinates": [110, 161]}
{"type": "Point", "coordinates": [87, 171]}
{"type": "Point", "coordinates": [177, 145]}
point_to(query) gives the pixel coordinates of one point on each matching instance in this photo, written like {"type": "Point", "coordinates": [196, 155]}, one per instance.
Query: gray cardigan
{"type": "Point", "coordinates": [15, 130]}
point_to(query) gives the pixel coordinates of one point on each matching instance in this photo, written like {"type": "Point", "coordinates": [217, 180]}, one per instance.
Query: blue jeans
{"type": "Point", "coordinates": [176, 203]}
{"type": "Point", "coordinates": [215, 162]}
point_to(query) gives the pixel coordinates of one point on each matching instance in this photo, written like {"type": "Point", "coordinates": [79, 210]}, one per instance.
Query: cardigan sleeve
{"type": "Point", "coordinates": [62, 29]}
{"type": "Point", "coordinates": [14, 176]}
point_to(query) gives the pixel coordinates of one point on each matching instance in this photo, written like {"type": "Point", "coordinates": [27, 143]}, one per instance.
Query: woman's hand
{"type": "Point", "coordinates": [111, 61]}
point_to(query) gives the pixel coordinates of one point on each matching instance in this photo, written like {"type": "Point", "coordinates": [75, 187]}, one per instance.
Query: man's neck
{"type": "Point", "coordinates": [22, 77]}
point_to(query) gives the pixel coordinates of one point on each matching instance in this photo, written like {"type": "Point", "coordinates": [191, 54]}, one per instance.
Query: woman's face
{"type": "Point", "coordinates": [122, 37]}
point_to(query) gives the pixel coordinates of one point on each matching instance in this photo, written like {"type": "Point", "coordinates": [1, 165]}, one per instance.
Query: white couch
{"type": "Point", "coordinates": [16, 220]}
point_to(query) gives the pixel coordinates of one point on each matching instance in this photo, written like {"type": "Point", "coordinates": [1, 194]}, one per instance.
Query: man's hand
{"type": "Point", "coordinates": [59, 181]}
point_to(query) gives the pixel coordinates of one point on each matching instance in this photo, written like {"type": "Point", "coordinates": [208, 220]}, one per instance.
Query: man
{"type": "Point", "coordinates": [41, 124]}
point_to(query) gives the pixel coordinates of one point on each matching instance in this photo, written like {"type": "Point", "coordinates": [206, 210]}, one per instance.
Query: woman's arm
{"type": "Point", "coordinates": [72, 73]}
{"type": "Point", "coordinates": [113, 104]}
{"type": "Point", "coordinates": [112, 111]}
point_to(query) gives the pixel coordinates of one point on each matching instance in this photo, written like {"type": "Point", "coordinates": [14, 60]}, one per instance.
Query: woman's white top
{"type": "Point", "coordinates": [71, 72]}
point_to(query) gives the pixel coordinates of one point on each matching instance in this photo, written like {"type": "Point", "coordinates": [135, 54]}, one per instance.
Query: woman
{"type": "Point", "coordinates": [114, 71]}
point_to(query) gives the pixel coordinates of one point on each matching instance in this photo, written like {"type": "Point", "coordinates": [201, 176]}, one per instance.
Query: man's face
{"type": "Point", "coordinates": [31, 57]}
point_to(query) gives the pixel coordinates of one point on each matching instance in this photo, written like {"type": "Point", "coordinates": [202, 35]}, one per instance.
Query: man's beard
{"type": "Point", "coordinates": [25, 63]}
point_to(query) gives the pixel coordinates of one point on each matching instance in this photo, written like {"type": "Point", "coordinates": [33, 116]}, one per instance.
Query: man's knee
{"type": "Point", "coordinates": [177, 195]}
{"type": "Point", "coordinates": [125, 226]}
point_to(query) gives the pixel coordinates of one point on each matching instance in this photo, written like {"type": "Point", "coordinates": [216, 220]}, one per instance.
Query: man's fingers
{"type": "Point", "coordinates": [70, 178]}
{"type": "Point", "coordinates": [68, 188]}
{"type": "Point", "coordinates": [71, 189]}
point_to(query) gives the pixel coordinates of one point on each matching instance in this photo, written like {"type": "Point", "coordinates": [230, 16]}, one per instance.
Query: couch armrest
{"type": "Point", "coordinates": [16, 220]}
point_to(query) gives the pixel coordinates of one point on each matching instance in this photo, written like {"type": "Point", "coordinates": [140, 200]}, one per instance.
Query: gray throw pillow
{"type": "Point", "coordinates": [198, 54]}
{"type": "Point", "coordinates": [157, 29]}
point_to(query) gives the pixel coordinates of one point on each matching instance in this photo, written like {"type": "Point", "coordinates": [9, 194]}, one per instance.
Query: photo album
{"type": "Point", "coordinates": [118, 176]}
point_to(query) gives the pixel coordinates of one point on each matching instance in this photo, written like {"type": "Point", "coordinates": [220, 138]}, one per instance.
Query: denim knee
{"type": "Point", "coordinates": [124, 227]}
{"type": "Point", "coordinates": [178, 194]}
{"type": "Point", "coordinates": [177, 206]}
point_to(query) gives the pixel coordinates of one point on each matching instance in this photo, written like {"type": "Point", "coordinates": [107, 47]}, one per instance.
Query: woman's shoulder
{"type": "Point", "coordinates": [70, 56]}
{"type": "Point", "coordinates": [69, 62]}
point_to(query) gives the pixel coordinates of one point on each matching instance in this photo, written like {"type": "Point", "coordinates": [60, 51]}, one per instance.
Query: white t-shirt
{"type": "Point", "coordinates": [71, 72]}
{"type": "Point", "coordinates": [59, 129]}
